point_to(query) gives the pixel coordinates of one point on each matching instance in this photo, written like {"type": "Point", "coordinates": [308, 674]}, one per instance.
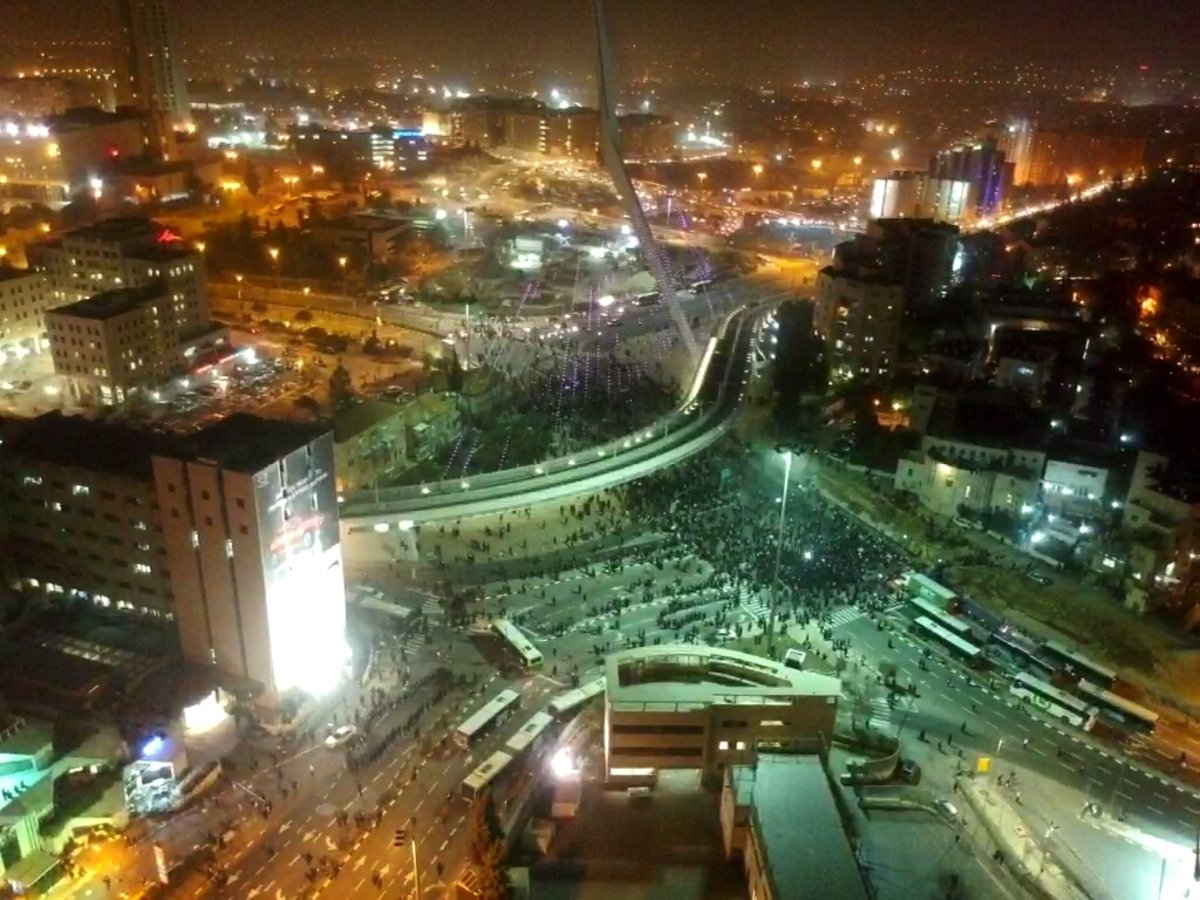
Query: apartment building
{"type": "Point", "coordinates": [858, 315]}
{"type": "Point", "coordinates": [696, 707]}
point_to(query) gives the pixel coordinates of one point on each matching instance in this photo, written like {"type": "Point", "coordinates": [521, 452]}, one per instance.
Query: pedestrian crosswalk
{"type": "Point", "coordinates": [844, 615]}
{"type": "Point", "coordinates": [756, 608]}
{"type": "Point", "coordinates": [882, 716]}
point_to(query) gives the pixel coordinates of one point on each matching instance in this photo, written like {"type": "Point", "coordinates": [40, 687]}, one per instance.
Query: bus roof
{"type": "Point", "coordinates": [528, 733]}
{"type": "Point", "coordinates": [488, 711]}
{"type": "Point", "coordinates": [568, 700]}
{"type": "Point", "coordinates": [487, 770]}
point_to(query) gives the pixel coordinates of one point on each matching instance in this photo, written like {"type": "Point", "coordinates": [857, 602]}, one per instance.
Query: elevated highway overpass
{"type": "Point", "coordinates": [700, 420]}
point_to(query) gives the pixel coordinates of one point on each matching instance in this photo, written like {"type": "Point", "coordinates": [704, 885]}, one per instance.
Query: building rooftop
{"type": "Point", "coordinates": [111, 304]}
{"type": "Point", "coordinates": [247, 443]}
{"type": "Point", "coordinates": [89, 444]}
{"type": "Point", "coordinates": [361, 416]}
{"type": "Point", "coordinates": [11, 273]}
{"type": "Point", "coordinates": [800, 827]}
{"type": "Point", "coordinates": [698, 675]}
{"type": "Point", "coordinates": [119, 228]}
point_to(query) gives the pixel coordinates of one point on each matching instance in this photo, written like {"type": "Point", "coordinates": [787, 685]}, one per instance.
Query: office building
{"type": "Point", "coordinates": [530, 126]}
{"type": "Point", "coordinates": [353, 152]}
{"type": "Point", "coordinates": [81, 516]}
{"type": "Point", "coordinates": [53, 160]}
{"type": "Point", "coordinates": [110, 346]}
{"type": "Point", "coordinates": [231, 532]}
{"type": "Point", "coordinates": [1078, 158]}
{"type": "Point", "coordinates": [150, 71]}
{"type": "Point", "coordinates": [151, 320]}
{"type": "Point", "coordinates": [124, 252]}
{"type": "Point", "coordinates": [858, 315]}
{"type": "Point", "coordinates": [250, 521]}
{"type": "Point", "coordinates": [909, 194]}
{"type": "Point", "coordinates": [1016, 142]}
{"type": "Point", "coordinates": [645, 136]}
{"type": "Point", "coordinates": [984, 167]}
{"type": "Point", "coordinates": [573, 133]}
{"type": "Point", "coordinates": [685, 706]}
{"type": "Point", "coordinates": [782, 817]}
{"type": "Point", "coordinates": [24, 299]}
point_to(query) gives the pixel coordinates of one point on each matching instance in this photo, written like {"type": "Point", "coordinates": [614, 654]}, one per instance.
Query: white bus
{"type": "Point", "coordinates": [570, 701]}
{"type": "Point", "coordinates": [1132, 714]}
{"type": "Point", "coordinates": [528, 734]}
{"type": "Point", "coordinates": [475, 784]}
{"type": "Point", "coordinates": [485, 717]}
{"type": "Point", "coordinates": [530, 656]}
{"type": "Point", "coordinates": [1050, 699]}
{"type": "Point", "coordinates": [950, 640]}
{"type": "Point", "coordinates": [943, 618]}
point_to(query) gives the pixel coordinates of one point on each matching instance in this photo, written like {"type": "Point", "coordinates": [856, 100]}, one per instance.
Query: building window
{"type": "Point", "coordinates": [195, 539]}
{"type": "Point", "coordinates": [741, 745]}
{"type": "Point", "coordinates": [80, 490]}
{"type": "Point", "coordinates": [142, 568]}
{"type": "Point", "coordinates": [241, 503]}
{"type": "Point", "coordinates": [32, 480]}
{"type": "Point", "coordinates": [229, 548]}
{"type": "Point", "coordinates": [722, 745]}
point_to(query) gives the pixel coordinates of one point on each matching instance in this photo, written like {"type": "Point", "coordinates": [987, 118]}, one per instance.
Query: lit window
{"type": "Point", "coordinates": [142, 568]}
{"type": "Point", "coordinates": [195, 540]}
{"type": "Point", "coordinates": [772, 723]}
{"type": "Point", "coordinates": [723, 745]}
{"type": "Point", "coordinates": [80, 490]}
{"type": "Point", "coordinates": [229, 548]}
{"type": "Point", "coordinates": [32, 479]}
{"type": "Point", "coordinates": [741, 745]}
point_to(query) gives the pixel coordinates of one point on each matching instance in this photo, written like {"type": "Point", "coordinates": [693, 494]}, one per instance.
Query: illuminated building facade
{"type": "Point", "coordinates": [984, 167]}
{"type": "Point", "coordinates": [149, 69]}
{"type": "Point", "coordinates": [250, 522]}
{"type": "Point", "coordinates": [232, 532]}
{"type": "Point", "coordinates": [1080, 157]}
{"type": "Point", "coordinates": [858, 315]}
{"type": "Point", "coordinates": [24, 299]}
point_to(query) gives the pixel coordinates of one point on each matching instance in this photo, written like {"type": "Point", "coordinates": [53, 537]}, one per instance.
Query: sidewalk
{"type": "Point", "coordinates": [1028, 855]}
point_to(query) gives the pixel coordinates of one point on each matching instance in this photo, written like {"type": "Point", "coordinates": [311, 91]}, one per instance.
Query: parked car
{"type": "Point", "coordinates": [340, 736]}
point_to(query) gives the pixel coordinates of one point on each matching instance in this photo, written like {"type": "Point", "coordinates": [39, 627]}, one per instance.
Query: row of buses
{"type": "Point", "coordinates": [1089, 697]}
{"type": "Point", "coordinates": [530, 736]}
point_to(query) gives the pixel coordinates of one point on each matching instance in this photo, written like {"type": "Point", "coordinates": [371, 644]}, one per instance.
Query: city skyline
{"type": "Point", "coordinates": [716, 39]}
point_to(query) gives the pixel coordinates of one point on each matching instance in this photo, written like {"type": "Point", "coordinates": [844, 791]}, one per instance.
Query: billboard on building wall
{"type": "Point", "coordinates": [302, 565]}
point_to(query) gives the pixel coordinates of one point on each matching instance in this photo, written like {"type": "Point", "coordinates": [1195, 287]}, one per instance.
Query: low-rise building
{"type": "Point", "coordinates": [362, 236]}
{"type": "Point", "coordinates": [691, 706]}
{"type": "Point", "coordinates": [952, 483]}
{"type": "Point", "coordinates": [783, 817]}
{"type": "Point", "coordinates": [1162, 515]}
{"type": "Point", "coordinates": [370, 443]}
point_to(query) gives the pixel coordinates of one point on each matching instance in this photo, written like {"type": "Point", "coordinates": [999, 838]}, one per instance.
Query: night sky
{"type": "Point", "coordinates": [742, 39]}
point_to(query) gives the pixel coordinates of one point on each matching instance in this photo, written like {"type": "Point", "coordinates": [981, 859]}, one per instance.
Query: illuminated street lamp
{"type": "Point", "coordinates": [758, 169]}
{"type": "Point", "coordinates": [273, 252]}
{"type": "Point", "coordinates": [787, 479]}
{"type": "Point", "coordinates": [702, 176]}
{"type": "Point", "coordinates": [238, 279]}
{"type": "Point", "coordinates": [858, 160]}
{"type": "Point", "coordinates": [816, 165]}
{"type": "Point", "coordinates": [201, 246]}
{"type": "Point", "coordinates": [290, 181]}
{"type": "Point", "coordinates": [895, 153]}
{"type": "Point", "coordinates": [342, 260]}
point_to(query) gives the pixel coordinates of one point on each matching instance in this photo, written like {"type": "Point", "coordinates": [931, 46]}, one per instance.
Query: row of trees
{"type": "Point", "coordinates": [486, 850]}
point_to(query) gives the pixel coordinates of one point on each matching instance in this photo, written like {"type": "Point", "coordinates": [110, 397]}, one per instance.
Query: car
{"type": "Point", "coordinates": [1040, 578]}
{"type": "Point", "coordinates": [299, 532]}
{"type": "Point", "coordinates": [340, 736]}
{"type": "Point", "coordinates": [947, 808]}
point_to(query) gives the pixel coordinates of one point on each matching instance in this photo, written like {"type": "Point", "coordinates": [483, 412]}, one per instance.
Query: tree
{"type": "Point", "coordinates": [251, 179]}
{"type": "Point", "coordinates": [340, 388]}
{"type": "Point", "coordinates": [483, 830]}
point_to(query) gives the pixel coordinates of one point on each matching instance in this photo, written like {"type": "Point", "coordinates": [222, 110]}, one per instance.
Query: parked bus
{"type": "Point", "coordinates": [529, 655]}
{"type": "Point", "coordinates": [1126, 711]}
{"type": "Point", "coordinates": [1079, 664]}
{"type": "Point", "coordinates": [528, 734]}
{"type": "Point", "coordinates": [1050, 699]}
{"type": "Point", "coordinates": [943, 618]}
{"type": "Point", "coordinates": [485, 717]}
{"type": "Point", "coordinates": [957, 645]}
{"type": "Point", "coordinates": [478, 782]}
{"type": "Point", "coordinates": [926, 588]}
{"type": "Point", "coordinates": [570, 701]}
{"type": "Point", "coordinates": [1026, 655]}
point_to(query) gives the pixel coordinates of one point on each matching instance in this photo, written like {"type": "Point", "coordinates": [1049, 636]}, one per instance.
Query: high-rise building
{"type": "Point", "coordinates": [908, 194]}
{"type": "Point", "coordinates": [983, 166]}
{"type": "Point", "coordinates": [232, 533]}
{"type": "Point", "coordinates": [1074, 157]}
{"type": "Point", "coordinates": [1016, 140]}
{"type": "Point", "coordinates": [24, 299]}
{"type": "Point", "coordinates": [858, 315]}
{"type": "Point", "coordinates": [150, 70]}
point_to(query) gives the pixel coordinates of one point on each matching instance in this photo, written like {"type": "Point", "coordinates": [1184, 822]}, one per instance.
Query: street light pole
{"type": "Point", "coordinates": [787, 479]}
{"type": "Point", "coordinates": [416, 868]}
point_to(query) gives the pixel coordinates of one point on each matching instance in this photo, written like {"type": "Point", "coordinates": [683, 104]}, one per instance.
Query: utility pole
{"type": "Point", "coordinates": [787, 478]}
{"type": "Point", "coordinates": [398, 841]}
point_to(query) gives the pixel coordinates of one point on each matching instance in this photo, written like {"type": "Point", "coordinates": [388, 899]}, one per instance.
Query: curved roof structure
{"type": "Point", "coordinates": [696, 675]}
